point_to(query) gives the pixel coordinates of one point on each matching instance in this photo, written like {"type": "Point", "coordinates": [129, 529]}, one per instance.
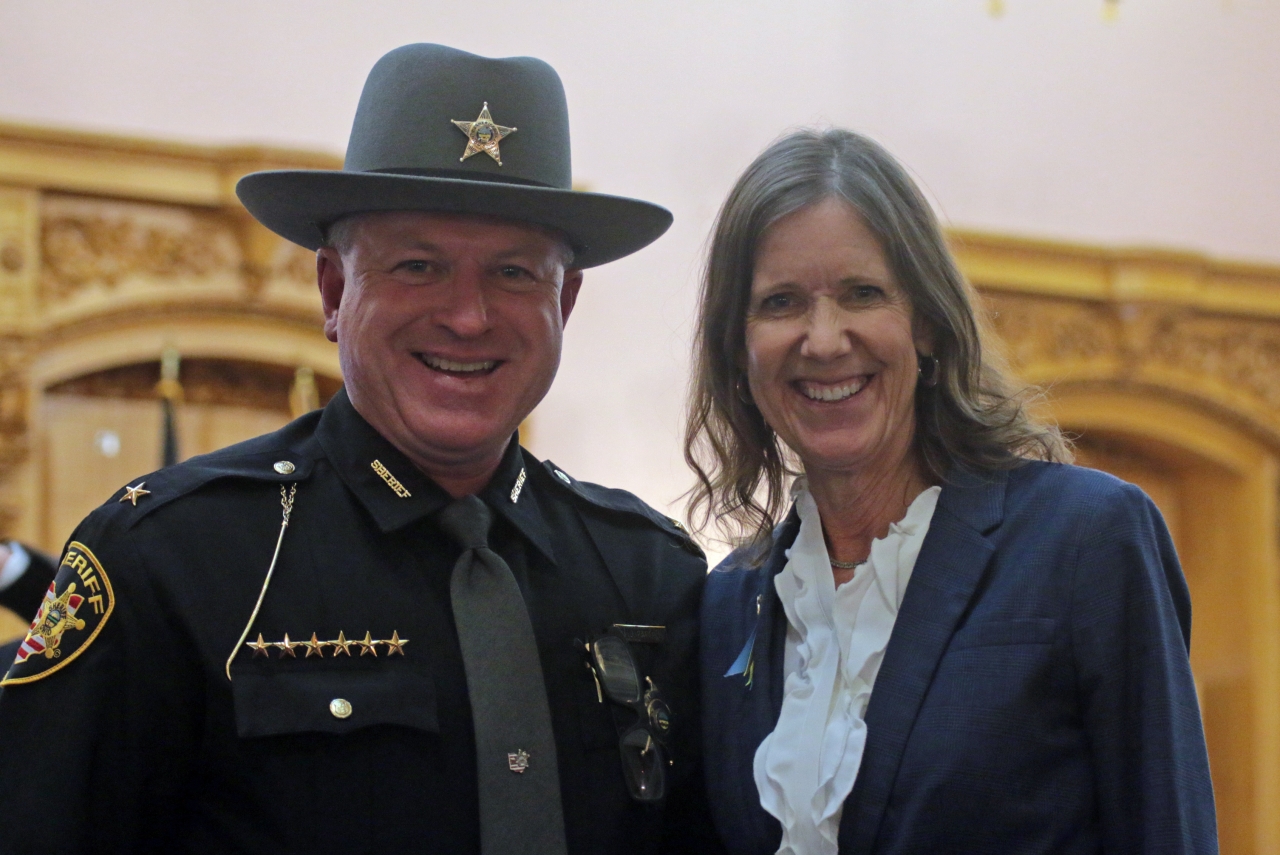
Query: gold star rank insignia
{"type": "Point", "coordinates": [315, 647]}
{"type": "Point", "coordinates": [341, 645]}
{"type": "Point", "coordinates": [483, 135]}
{"type": "Point", "coordinates": [286, 646]}
{"type": "Point", "coordinates": [368, 646]}
{"type": "Point", "coordinates": [132, 494]}
{"type": "Point", "coordinates": [259, 647]}
{"type": "Point", "coordinates": [395, 644]}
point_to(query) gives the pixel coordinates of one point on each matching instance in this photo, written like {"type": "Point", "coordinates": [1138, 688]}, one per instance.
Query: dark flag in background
{"type": "Point", "coordinates": [304, 396]}
{"type": "Point", "coordinates": [170, 391]}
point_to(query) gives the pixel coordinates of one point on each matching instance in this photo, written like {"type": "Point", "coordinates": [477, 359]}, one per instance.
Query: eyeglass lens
{"type": "Point", "coordinates": [643, 760]}
{"type": "Point", "coordinates": [616, 669]}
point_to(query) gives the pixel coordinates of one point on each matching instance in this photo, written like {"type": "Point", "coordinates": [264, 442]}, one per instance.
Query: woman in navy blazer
{"type": "Point", "coordinates": [954, 641]}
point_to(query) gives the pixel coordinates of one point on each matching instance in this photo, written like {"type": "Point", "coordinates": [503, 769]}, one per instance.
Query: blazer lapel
{"type": "Point", "coordinates": [745, 707]}
{"type": "Point", "coordinates": [772, 625]}
{"type": "Point", "coordinates": [759, 704]}
{"type": "Point", "coordinates": [947, 573]}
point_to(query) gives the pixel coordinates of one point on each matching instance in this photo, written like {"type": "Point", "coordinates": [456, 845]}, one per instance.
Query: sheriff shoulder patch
{"type": "Point", "coordinates": [75, 609]}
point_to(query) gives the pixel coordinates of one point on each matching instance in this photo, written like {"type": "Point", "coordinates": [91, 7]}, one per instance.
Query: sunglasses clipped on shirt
{"type": "Point", "coordinates": [643, 749]}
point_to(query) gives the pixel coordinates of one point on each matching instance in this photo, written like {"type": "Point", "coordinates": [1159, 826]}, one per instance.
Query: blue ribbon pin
{"type": "Point", "coordinates": [744, 664]}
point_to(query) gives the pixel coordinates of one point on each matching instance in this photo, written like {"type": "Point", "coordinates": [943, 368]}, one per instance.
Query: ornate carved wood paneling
{"type": "Point", "coordinates": [91, 242]}
{"type": "Point", "coordinates": [1070, 335]}
{"type": "Point", "coordinates": [1194, 328]}
{"type": "Point", "coordinates": [110, 250]}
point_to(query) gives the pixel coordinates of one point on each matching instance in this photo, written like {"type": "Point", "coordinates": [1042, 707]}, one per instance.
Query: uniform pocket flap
{"type": "Point", "coordinates": [994, 633]}
{"type": "Point", "coordinates": [332, 702]}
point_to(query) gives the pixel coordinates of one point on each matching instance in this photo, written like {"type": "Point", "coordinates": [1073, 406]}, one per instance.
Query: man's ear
{"type": "Point", "coordinates": [569, 293]}
{"type": "Point", "coordinates": [332, 280]}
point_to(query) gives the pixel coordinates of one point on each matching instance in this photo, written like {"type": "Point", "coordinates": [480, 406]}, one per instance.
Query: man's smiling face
{"type": "Point", "coordinates": [449, 330]}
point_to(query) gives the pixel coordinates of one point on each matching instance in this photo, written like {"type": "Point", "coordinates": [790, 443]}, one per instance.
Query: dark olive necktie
{"type": "Point", "coordinates": [520, 810]}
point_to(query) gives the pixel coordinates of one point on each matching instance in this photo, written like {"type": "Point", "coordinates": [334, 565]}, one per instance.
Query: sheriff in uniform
{"type": "Point", "coordinates": [385, 627]}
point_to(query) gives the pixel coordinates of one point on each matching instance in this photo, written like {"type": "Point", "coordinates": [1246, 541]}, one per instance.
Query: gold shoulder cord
{"type": "Point", "coordinates": [286, 502]}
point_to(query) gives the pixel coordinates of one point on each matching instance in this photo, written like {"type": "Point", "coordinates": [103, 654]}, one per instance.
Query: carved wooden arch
{"type": "Point", "coordinates": [85, 349]}
{"type": "Point", "coordinates": [112, 249]}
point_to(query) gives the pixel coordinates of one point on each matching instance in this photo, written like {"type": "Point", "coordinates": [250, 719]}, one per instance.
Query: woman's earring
{"type": "Point", "coordinates": [744, 394]}
{"type": "Point", "coordinates": [927, 365]}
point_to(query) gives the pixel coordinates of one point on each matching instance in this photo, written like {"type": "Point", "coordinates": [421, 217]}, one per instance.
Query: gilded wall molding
{"type": "Point", "coordinates": [294, 265]}
{"type": "Point", "coordinates": [133, 245]}
{"type": "Point", "coordinates": [14, 442]}
{"type": "Point", "coordinates": [86, 242]}
{"type": "Point", "coordinates": [118, 167]}
{"type": "Point", "coordinates": [1243, 355]}
{"type": "Point", "coordinates": [1198, 328]}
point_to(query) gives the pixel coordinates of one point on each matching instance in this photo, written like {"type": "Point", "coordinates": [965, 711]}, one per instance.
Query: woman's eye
{"type": "Point", "coordinates": [777, 303]}
{"type": "Point", "coordinates": [512, 271]}
{"type": "Point", "coordinates": [863, 293]}
{"type": "Point", "coordinates": [415, 266]}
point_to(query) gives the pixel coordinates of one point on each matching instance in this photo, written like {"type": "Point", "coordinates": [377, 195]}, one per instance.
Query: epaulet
{"type": "Point", "coordinates": [281, 457]}
{"type": "Point", "coordinates": [621, 502]}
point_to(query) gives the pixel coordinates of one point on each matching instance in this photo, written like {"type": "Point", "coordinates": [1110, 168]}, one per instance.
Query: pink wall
{"type": "Point", "coordinates": [1162, 128]}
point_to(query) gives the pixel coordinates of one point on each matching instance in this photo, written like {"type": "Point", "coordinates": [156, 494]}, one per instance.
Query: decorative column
{"type": "Point", "coordinates": [19, 279]}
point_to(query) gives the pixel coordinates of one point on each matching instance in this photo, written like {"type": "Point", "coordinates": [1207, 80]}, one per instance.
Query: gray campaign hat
{"type": "Point", "coordinates": [439, 129]}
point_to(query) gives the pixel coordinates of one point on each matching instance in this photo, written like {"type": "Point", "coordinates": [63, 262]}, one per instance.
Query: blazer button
{"type": "Point", "coordinates": [340, 707]}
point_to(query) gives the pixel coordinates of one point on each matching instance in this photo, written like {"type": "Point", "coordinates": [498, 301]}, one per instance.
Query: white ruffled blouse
{"type": "Point", "coordinates": [836, 638]}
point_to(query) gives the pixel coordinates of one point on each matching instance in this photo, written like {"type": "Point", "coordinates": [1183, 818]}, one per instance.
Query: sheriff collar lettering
{"type": "Point", "coordinates": [396, 493]}
{"type": "Point", "coordinates": [392, 490]}
{"type": "Point", "coordinates": [74, 611]}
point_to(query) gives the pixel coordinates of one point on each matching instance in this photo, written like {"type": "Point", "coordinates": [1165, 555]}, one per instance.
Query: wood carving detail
{"type": "Point", "coordinates": [13, 410]}
{"type": "Point", "coordinates": [1222, 357]}
{"type": "Point", "coordinates": [1037, 331]}
{"type": "Point", "coordinates": [85, 244]}
{"type": "Point", "coordinates": [295, 264]}
{"type": "Point", "coordinates": [1243, 355]}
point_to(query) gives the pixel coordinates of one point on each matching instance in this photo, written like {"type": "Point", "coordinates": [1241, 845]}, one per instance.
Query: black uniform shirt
{"type": "Point", "coordinates": [345, 726]}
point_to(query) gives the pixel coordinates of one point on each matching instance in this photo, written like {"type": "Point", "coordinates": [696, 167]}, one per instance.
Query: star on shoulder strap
{"type": "Point", "coordinates": [132, 494]}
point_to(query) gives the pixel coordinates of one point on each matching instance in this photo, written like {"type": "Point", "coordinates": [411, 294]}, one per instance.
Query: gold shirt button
{"type": "Point", "coordinates": [340, 707]}
{"type": "Point", "coordinates": [284, 467]}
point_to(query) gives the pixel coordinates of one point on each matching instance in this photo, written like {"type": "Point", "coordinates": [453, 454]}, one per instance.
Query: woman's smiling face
{"type": "Point", "coordinates": [831, 352]}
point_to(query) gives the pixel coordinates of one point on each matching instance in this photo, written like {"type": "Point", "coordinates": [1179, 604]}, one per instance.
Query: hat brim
{"type": "Point", "coordinates": [299, 204]}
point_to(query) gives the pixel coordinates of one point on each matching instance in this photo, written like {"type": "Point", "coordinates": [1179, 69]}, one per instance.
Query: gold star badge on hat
{"type": "Point", "coordinates": [483, 135]}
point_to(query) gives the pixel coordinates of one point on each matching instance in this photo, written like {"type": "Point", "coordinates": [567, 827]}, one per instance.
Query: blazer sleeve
{"type": "Point", "coordinates": [1131, 635]}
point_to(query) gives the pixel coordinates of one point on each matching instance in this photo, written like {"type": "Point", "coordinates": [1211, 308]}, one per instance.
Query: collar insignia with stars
{"type": "Point", "coordinates": [483, 135]}
{"type": "Point", "coordinates": [132, 494]}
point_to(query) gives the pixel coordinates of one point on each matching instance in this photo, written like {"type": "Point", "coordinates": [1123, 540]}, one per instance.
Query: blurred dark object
{"type": "Point", "coordinates": [24, 594]}
{"type": "Point", "coordinates": [170, 390]}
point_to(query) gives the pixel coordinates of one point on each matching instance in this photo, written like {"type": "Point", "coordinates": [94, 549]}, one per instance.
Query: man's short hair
{"type": "Point", "coordinates": [340, 235]}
